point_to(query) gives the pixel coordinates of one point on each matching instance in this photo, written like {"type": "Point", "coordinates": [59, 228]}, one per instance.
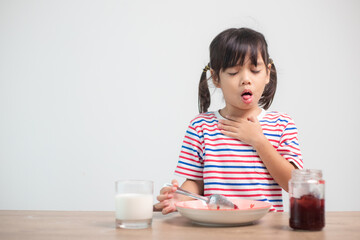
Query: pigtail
{"type": "Point", "coordinates": [270, 89]}
{"type": "Point", "coordinates": [204, 92]}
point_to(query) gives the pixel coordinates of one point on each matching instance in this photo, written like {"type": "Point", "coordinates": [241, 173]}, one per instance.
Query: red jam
{"type": "Point", "coordinates": [307, 213]}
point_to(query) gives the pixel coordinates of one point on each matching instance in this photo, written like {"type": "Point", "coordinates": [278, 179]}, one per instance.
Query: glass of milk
{"type": "Point", "coordinates": [134, 203]}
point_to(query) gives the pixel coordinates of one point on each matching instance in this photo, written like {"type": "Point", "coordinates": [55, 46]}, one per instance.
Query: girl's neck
{"type": "Point", "coordinates": [240, 113]}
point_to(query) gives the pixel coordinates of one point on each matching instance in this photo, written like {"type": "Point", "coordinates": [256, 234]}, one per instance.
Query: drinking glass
{"type": "Point", "coordinates": [134, 203]}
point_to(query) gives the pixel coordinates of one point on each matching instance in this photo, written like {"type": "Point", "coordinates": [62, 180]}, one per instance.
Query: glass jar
{"type": "Point", "coordinates": [307, 199]}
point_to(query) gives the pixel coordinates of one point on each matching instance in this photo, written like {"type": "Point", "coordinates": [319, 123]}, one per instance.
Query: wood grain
{"type": "Point", "coordinates": [101, 225]}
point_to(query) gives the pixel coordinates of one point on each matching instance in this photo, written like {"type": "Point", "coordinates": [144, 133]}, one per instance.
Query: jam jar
{"type": "Point", "coordinates": [307, 199]}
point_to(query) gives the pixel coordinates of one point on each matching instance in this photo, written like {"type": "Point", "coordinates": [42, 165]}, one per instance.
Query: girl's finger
{"type": "Point", "coordinates": [229, 134]}
{"type": "Point", "coordinates": [159, 205]}
{"type": "Point", "coordinates": [166, 190]}
{"type": "Point", "coordinates": [175, 183]}
{"type": "Point", "coordinates": [163, 197]}
{"type": "Point", "coordinates": [168, 210]}
{"type": "Point", "coordinates": [227, 128]}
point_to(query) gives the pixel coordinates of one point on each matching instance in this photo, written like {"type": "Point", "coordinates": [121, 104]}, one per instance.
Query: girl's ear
{"type": "Point", "coordinates": [214, 78]}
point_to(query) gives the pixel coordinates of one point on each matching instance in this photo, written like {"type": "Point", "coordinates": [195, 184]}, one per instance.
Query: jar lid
{"type": "Point", "coordinates": [306, 174]}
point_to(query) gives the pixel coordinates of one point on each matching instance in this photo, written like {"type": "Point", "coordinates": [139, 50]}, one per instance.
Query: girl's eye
{"type": "Point", "coordinates": [232, 73]}
{"type": "Point", "coordinates": [255, 71]}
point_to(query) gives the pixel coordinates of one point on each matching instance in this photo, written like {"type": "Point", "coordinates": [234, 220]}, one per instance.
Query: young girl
{"type": "Point", "coordinates": [240, 151]}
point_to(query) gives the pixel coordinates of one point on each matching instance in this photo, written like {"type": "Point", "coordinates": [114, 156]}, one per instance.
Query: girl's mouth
{"type": "Point", "coordinates": [246, 96]}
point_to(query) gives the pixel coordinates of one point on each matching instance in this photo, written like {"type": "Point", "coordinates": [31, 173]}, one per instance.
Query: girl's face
{"type": "Point", "coordinates": [242, 86]}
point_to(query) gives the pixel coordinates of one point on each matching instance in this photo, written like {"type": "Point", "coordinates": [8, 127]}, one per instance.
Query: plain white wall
{"type": "Point", "coordinates": [95, 91]}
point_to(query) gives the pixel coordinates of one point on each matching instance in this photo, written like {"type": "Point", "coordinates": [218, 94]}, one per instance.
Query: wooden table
{"type": "Point", "coordinates": [101, 225]}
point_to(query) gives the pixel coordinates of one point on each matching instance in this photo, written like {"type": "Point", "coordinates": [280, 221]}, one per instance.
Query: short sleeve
{"type": "Point", "coordinates": [289, 146]}
{"type": "Point", "coordinates": [190, 163]}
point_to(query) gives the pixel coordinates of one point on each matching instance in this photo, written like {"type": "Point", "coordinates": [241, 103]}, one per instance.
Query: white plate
{"type": "Point", "coordinates": [249, 212]}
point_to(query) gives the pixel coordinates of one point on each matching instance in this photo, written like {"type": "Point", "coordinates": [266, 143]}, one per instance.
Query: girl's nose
{"type": "Point", "coordinates": [245, 80]}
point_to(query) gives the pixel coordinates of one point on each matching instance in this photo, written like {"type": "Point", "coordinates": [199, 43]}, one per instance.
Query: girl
{"type": "Point", "coordinates": [241, 150]}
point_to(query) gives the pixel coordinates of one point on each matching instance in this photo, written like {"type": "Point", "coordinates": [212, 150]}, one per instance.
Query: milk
{"type": "Point", "coordinates": [133, 206]}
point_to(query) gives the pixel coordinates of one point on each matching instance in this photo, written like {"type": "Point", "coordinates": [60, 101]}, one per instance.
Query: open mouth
{"type": "Point", "coordinates": [246, 96]}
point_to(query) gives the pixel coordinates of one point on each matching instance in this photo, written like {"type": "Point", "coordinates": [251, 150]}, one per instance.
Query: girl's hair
{"type": "Point", "coordinates": [230, 48]}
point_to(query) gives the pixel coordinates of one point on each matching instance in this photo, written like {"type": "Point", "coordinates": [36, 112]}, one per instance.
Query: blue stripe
{"type": "Point", "coordinates": [192, 165]}
{"type": "Point", "coordinates": [189, 148]}
{"type": "Point", "coordinates": [194, 134]}
{"type": "Point", "coordinates": [294, 128]}
{"type": "Point", "coordinates": [217, 166]}
{"type": "Point", "coordinates": [241, 184]}
{"type": "Point", "coordinates": [291, 142]}
{"type": "Point", "coordinates": [203, 120]}
{"type": "Point", "coordinates": [226, 149]}
{"type": "Point", "coordinates": [277, 120]}
{"type": "Point", "coordinates": [272, 135]}
{"type": "Point", "coordinates": [215, 134]}
{"type": "Point", "coordinates": [273, 200]}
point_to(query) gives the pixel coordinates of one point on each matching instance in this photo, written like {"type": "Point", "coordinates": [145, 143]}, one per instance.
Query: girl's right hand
{"type": "Point", "coordinates": [166, 198]}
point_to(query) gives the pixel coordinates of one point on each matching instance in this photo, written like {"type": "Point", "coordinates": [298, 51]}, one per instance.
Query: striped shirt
{"type": "Point", "coordinates": [232, 168]}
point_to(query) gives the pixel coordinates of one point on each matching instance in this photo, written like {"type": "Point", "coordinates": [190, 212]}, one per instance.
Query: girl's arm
{"type": "Point", "coordinates": [194, 186]}
{"type": "Point", "coordinates": [278, 167]}
{"type": "Point", "coordinates": [250, 131]}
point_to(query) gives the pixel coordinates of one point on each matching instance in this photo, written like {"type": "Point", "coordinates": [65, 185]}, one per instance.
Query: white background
{"type": "Point", "coordinates": [95, 91]}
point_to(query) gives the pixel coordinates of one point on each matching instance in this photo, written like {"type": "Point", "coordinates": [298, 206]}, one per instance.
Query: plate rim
{"type": "Point", "coordinates": [268, 206]}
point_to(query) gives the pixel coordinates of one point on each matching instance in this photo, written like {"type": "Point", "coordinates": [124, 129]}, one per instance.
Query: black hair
{"type": "Point", "coordinates": [230, 48]}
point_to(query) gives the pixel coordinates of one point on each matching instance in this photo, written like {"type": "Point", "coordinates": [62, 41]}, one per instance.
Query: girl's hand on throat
{"type": "Point", "coordinates": [247, 130]}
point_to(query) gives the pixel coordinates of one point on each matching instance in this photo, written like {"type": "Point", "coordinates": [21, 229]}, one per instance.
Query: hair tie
{"type": "Point", "coordinates": [206, 68]}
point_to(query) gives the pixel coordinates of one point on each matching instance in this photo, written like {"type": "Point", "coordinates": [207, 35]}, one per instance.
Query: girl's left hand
{"type": "Point", "coordinates": [246, 130]}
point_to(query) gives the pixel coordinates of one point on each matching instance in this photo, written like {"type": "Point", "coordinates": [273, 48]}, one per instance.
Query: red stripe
{"type": "Point", "coordinates": [207, 125]}
{"type": "Point", "coordinates": [287, 150]}
{"type": "Point", "coordinates": [193, 128]}
{"type": "Point", "coordinates": [193, 160]}
{"type": "Point", "coordinates": [193, 145]}
{"type": "Point", "coordinates": [250, 195]}
{"type": "Point", "coordinates": [288, 139]}
{"type": "Point", "coordinates": [275, 141]}
{"type": "Point", "coordinates": [188, 169]}
{"type": "Point", "coordinates": [193, 155]}
{"type": "Point", "coordinates": [277, 125]}
{"type": "Point", "coordinates": [232, 161]}
{"type": "Point", "coordinates": [291, 146]}
{"type": "Point", "coordinates": [228, 144]}
{"type": "Point", "coordinates": [207, 129]}
{"type": "Point", "coordinates": [272, 116]}
{"type": "Point", "coordinates": [235, 172]}
{"type": "Point", "coordinates": [238, 178]}
{"type": "Point", "coordinates": [226, 139]}
{"type": "Point", "coordinates": [272, 130]}
{"type": "Point", "coordinates": [192, 139]}
{"type": "Point", "coordinates": [231, 155]}
{"type": "Point", "coordinates": [190, 175]}
{"type": "Point", "coordinates": [203, 116]}
{"type": "Point", "coordinates": [243, 190]}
